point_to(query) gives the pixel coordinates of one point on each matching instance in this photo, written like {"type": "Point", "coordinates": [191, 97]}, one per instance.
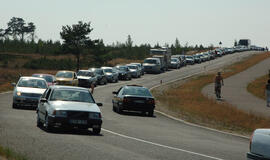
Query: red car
{"type": "Point", "coordinates": [50, 79]}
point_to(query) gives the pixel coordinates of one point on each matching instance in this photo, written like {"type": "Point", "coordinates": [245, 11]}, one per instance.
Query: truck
{"type": "Point", "coordinates": [164, 54]}
{"type": "Point", "coordinates": [244, 42]}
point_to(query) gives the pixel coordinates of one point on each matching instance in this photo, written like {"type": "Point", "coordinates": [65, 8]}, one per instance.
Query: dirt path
{"type": "Point", "coordinates": [235, 90]}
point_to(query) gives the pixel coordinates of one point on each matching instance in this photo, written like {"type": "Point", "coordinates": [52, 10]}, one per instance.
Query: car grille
{"type": "Point", "coordinates": [147, 67]}
{"type": "Point", "coordinates": [83, 82]}
{"type": "Point", "coordinates": [78, 115]}
{"type": "Point", "coordinates": [31, 95]}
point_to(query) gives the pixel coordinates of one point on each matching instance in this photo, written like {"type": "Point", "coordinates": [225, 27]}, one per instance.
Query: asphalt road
{"type": "Point", "coordinates": [235, 90]}
{"type": "Point", "coordinates": [127, 136]}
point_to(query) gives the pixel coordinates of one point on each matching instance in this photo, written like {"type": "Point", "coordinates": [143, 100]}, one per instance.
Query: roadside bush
{"type": "Point", "coordinates": [44, 63]}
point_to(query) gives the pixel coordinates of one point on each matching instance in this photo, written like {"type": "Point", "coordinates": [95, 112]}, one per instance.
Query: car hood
{"type": "Point", "coordinates": [261, 142]}
{"type": "Point", "coordinates": [64, 79]}
{"type": "Point", "coordinates": [30, 90]}
{"type": "Point", "coordinates": [74, 106]}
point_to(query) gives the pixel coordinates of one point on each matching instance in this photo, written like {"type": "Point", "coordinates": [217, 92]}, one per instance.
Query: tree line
{"type": "Point", "coordinates": [19, 37]}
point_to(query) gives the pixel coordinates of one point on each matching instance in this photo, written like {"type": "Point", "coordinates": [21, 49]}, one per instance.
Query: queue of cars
{"type": "Point", "coordinates": [64, 100]}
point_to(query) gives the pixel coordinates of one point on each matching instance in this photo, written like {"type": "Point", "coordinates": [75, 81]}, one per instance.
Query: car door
{"type": "Point", "coordinates": [116, 97]}
{"type": "Point", "coordinates": [43, 105]}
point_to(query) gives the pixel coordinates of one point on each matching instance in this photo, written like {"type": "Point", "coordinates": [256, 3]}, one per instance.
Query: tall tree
{"type": "Point", "coordinates": [177, 44]}
{"type": "Point", "coordinates": [16, 27]}
{"type": "Point", "coordinates": [76, 39]}
{"type": "Point", "coordinates": [31, 30]}
{"type": "Point", "coordinates": [129, 42]}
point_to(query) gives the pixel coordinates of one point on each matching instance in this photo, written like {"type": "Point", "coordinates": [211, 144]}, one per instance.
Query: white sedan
{"type": "Point", "coordinates": [67, 106]}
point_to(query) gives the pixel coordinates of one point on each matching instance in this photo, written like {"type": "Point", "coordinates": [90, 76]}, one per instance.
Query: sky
{"type": "Point", "coordinates": [203, 22]}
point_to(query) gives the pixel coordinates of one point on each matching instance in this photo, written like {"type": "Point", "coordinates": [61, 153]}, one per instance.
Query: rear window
{"type": "Point", "coordinates": [136, 91]}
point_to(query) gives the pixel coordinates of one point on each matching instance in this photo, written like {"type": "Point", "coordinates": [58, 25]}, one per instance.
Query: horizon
{"type": "Point", "coordinates": [194, 22]}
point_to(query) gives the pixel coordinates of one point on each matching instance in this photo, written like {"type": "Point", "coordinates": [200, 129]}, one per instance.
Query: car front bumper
{"type": "Point", "coordinates": [23, 101]}
{"type": "Point", "coordinates": [251, 156]}
{"type": "Point", "coordinates": [80, 123]}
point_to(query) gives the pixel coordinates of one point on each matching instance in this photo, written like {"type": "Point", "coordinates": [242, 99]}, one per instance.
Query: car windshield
{"type": "Point", "coordinates": [122, 68]}
{"type": "Point", "coordinates": [64, 75]}
{"type": "Point", "coordinates": [98, 71]}
{"type": "Point", "coordinates": [137, 91]}
{"type": "Point", "coordinates": [46, 77]}
{"type": "Point", "coordinates": [71, 95]}
{"type": "Point", "coordinates": [108, 70]}
{"type": "Point", "coordinates": [132, 67]}
{"type": "Point", "coordinates": [174, 60]}
{"type": "Point", "coordinates": [32, 83]}
{"type": "Point", "coordinates": [85, 73]}
{"type": "Point", "coordinates": [151, 61]}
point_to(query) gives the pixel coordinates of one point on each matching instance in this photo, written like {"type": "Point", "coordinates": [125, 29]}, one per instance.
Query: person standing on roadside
{"type": "Point", "coordinates": [92, 88]}
{"type": "Point", "coordinates": [218, 83]}
{"type": "Point", "coordinates": [267, 90]}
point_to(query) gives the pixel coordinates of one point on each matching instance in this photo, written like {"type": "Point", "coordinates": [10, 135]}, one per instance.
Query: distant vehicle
{"type": "Point", "coordinates": [66, 78]}
{"type": "Point", "coordinates": [175, 63]}
{"type": "Point", "coordinates": [134, 98]}
{"type": "Point", "coordinates": [101, 78]}
{"type": "Point", "coordinates": [86, 78]}
{"type": "Point", "coordinates": [50, 79]}
{"type": "Point", "coordinates": [152, 65]}
{"type": "Point", "coordinates": [27, 92]}
{"type": "Point", "coordinates": [134, 69]}
{"type": "Point", "coordinates": [259, 145]}
{"type": "Point", "coordinates": [66, 106]}
{"type": "Point", "coordinates": [190, 60]}
{"type": "Point", "coordinates": [140, 66]}
{"type": "Point", "coordinates": [123, 72]}
{"type": "Point", "coordinates": [111, 75]}
{"type": "Point", "coordinates": [164, 54]}
{"type": "Point", "coordinates": [197, 59]}
{"type": "Point", "coordinates": [244, 42]}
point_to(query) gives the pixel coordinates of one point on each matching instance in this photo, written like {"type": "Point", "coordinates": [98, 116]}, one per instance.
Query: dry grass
{"type": "Point", "coordinates": [257, 87]}
{"type": "Point", "coordinates": [122, 61]}
{"type": "Point", "coordinates": [8, 154]}
{"type": "Point", "coordinates": [187, 102]}
{"type": "Point", "coordinates": [9, 76]}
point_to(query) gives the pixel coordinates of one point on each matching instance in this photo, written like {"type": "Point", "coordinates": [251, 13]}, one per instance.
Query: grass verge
{"type": "Point", "coordinates": [186, 101]}
{"type": "Point", "coordinates": [8, 154]}
{"type": "Point", "coordinates": [257, 87]}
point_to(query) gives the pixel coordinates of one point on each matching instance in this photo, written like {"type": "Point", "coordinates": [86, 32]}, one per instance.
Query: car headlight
{"type": "Point", "coordinates": [18, 93]}
{"type": "Point", "coordinates": [60, 113]}
{"type": "Point", "coordinates": [94, 115]}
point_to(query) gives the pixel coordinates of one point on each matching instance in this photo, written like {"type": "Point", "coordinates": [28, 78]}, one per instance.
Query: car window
{"type": "Point", "coordinates": [64, 75]}
{"type": "Point", "coordinates": [71, 95]}
{"type": "Point", "coordinates": [136, 91]}
{"type": "Point", "coordinates": [32, 83]}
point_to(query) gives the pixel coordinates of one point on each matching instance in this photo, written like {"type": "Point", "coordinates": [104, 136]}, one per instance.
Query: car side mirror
{"type": "Point", "coordinates": [43, 100]}
{"type": "Point", "coordinates": [114, 92]}
{"type": "Point", "coordinates": [99, 104]}
{"type": "Point", "coordinates": [13, 84]}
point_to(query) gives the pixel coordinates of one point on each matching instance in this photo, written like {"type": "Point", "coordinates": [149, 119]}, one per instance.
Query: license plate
{"type": "Point", "coordinates": [75, 121]}
{"type": "Point", "coordinates": [139, 101]}
{"type": "Point", "coordinates": [95, 126]}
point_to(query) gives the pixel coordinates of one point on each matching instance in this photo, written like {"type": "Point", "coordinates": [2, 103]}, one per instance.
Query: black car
{"type": "Point", "coordinates": [134, 98]}
{"type": "Point", "coordinates": [123, 72]}
{"type": "Point", "coordinates": [101, 78]}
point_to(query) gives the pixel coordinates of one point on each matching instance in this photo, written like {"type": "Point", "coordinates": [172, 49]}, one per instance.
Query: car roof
{"type": "Point", "coordinates": [68, 87]}
{"type": "Point", "coordinates": [42, 74]}
{"type": "Point", "coordinates": [83, 70]}
{"type": "Point", "coordinates": [106, 67]}
{"type": "Point", "coordinates": [65, 71]}
{"type": "Point", "coordinates": [29, 77]}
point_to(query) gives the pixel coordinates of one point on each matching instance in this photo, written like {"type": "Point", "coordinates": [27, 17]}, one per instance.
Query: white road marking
{"type": "Point", "coordinates": [161, 145]}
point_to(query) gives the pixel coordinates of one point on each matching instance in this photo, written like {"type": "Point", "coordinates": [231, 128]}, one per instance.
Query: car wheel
{"type": "Point", "coordinates": [96, 131]}
{"type": "Point", "coordinates": [151, 113]}
{"type": "Point", "coordinates": [14, 105]}
{"type": "Point", "coordinates": [47, 125]}
{"type": "Point", "coordinates": [39, 124]}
